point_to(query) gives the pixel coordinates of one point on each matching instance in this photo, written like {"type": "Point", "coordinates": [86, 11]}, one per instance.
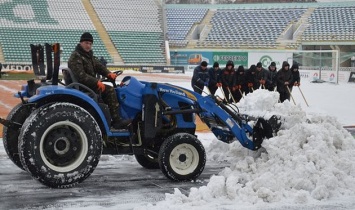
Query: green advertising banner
{"type": "Point", "coordinates": [196, 57]}
{"type": "Point", "coordinates": [239, 58]}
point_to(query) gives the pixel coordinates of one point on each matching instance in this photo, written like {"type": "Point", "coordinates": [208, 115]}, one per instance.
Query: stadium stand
{"type": "Point", "coordinates": [249, 28]}
{"type": "Point", "coordinates": [331, 24]}
{"type": "Point", "coordinates": [44, 21]}
{"type": "Point", "coordinates": [135, 28]}
{"type": "Point", "coordinates": [179, 22]}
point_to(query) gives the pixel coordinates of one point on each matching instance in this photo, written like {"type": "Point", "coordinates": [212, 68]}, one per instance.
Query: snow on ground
{"type": "Point", "coordinates": [310, 164]}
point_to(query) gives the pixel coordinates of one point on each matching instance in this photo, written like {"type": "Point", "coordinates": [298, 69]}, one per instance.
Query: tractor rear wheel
{"type": "Point", "coordinates": [60, 145]}
{"type": "Point", "coordinates": [10, 134]}
{"type": "Point", "coordinates": [182, 157]}
{"type": "Point", "coordinates": [148, 161]}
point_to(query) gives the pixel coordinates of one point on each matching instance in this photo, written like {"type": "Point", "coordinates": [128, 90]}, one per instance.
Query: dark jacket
{"type": "Point", "coordinates": [283, 76]}
{"type": "Point", "coordinates": [250, 75]}
{"type": "Point", "coordinates": [215, 76]}
{"type": "Point", "coordinates": [241, 78]}
{"type": "Point", "coordinates": [228, 77]}
{"type": "Point", "coordinates": [199, 77]}
{"type": "Point", "coordinates": [271, 81]}
{"type": "Point", "coordinates": [260, 75]}
{"type": "Point", "coordinates": [86, 66]}
{"type": "Point", "coordinates": [295, 74]}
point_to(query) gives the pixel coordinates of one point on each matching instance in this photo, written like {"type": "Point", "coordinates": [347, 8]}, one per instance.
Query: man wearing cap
{"type": "Point", "coordinates": [200, 77]}
{"type": "Point", "coordinates": [85, 67]}
{"type": "Point", "coordinates": [228, 80]}
{"type": "Point", "coordinates": [271, 78]}
{"type": "Point", "coordinates": [260, 76]}
{"type": "Point", "coordinates": [214, 73]}
{"type": "Point", "coordinates": [295, 76]}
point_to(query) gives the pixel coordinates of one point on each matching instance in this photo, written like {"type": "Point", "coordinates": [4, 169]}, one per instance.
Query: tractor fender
{"type": "Point", "coordinates": [52, 94]}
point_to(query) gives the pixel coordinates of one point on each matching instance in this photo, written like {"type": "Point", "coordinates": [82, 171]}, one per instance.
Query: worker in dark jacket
{"type": "Point", "coordinates": [240, 83]}
{"type": "Point", "coordinates": [250, 76]}
{"type": "Point", "coordinates": [200, 77]}
{"type": "Point", "coordinates": [103, 61]}
{"type": "Point", "coordinates": [284, 79]}
{"type": "Point", "coordinates": [85, 67]}
{"type": "Point", "coordinates": [214, 73]}
{"type": "Point", "coordinates": [228, 80]}
{"type": "Point", "coordinates": [271, 79]}
{"type": "Point", "coordinates": [295, 76]}
{"type": "Point", "coordinates": [261, 75]}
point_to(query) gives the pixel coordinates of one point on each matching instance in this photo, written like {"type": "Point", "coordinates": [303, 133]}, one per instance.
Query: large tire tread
{"type": "Point", "coordinates": [166, 148]}
{"type": "Point", "coordinates": [71, 117]}
{"type": "Point", "coordinates": [10, 134]}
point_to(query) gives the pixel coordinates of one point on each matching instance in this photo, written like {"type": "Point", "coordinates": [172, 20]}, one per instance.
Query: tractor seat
{"type": "Point", "coordinates": [71, 82]}
{"type": "Point", "coordinates": [68, 76]}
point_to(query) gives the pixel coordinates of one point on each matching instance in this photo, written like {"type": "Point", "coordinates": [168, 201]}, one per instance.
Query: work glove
{"type": "Point", "coordinates": [262, 82]}
{"type": "Point", "coordinates": [250, 84]}
{"type": "Point", "coordinates": [100, 86]}
{"type": "Point", "coordinates": [112, 76]}
{"type": "Point", "coordinates": [219, 84]}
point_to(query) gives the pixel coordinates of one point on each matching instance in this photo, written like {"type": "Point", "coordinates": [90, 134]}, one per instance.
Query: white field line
{"type": "Point", "coordinates": [3, 87]}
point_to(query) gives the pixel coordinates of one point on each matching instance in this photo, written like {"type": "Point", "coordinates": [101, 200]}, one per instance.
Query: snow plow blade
{"type": "Point", "coordinates": [265, 129]}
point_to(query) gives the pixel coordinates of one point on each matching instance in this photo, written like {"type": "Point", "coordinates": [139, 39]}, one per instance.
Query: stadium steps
{"type": "Point", "coordinates": [161, 13]}
{"type": "Point", "coordinates": [206, 22]}
{"type": "Point", "coordinates": [303, 24]}
{"type": "Point", "coordinates": [2, 59]}
{"type": "Point", "coordinates": [299, 27]}
{"type": "Point", "coordinates": [102, 32]}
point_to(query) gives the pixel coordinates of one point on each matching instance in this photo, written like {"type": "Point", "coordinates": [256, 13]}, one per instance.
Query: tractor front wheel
{"type": "Point", "coordinates": [182, 157]}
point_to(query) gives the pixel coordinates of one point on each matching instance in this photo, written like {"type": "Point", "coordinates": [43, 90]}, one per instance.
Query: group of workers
{"type": "Point", "coordinates": [235, 83]}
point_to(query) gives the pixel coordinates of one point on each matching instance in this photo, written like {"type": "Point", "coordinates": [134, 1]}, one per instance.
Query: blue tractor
{"type": "Point", "coordinates": [60, 129]}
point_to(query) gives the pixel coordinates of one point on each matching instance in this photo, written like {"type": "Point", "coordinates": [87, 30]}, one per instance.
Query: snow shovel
{"type": "Point", "coordinates": [230, 93]}
{"type": "Point", "coordinates": [303, 95]}
{"type": "Point", "coordinates": [224, 95]}
{"type": "Point", "coordinates": [291, 94]}
{"type": "Point", "coordinates": [241, 93]}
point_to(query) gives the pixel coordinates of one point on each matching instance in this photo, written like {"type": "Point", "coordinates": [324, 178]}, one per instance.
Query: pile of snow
{"type": "Point", "coordinates": [312, 159]}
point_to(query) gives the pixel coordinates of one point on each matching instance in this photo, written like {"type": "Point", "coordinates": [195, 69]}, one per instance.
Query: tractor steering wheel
{"type": "Point", "coordinates": [118, 73]}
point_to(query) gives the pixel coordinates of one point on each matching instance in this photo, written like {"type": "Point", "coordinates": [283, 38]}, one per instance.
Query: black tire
{"type": "Point", "coordinates": [11, 133]}
{"type": "Point", "coordinates": [60, 145]}
{"type": "Point", "coordinates": [182, 157]}
{"type": "Point", "coordinates": [148, 161]}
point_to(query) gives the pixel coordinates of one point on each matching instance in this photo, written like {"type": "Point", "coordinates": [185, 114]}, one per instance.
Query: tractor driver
{"type": "Point", "coordinates": [85, 66]}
